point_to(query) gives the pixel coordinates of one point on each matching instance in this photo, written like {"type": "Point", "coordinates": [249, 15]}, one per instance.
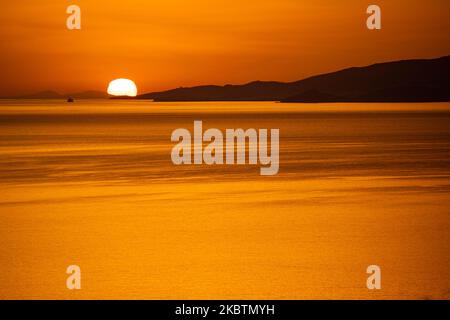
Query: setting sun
{"type": "Point", "coordinates": [122, 87]}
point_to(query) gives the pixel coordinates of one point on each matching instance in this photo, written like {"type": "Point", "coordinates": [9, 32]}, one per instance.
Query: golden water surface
{"type": "Point", "coordinates": [92, 184]}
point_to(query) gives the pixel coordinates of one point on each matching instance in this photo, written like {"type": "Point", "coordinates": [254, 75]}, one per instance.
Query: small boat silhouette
{"type": "Point", "coordinates": [70, 99]}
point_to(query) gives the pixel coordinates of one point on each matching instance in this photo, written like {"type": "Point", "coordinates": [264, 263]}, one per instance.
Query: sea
{"type": "Point", "coordinates": [92, 184]}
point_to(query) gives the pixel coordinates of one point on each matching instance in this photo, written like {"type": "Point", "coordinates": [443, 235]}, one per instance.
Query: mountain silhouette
{"type": "Point", "coordinates": [48, 94]}
{"type": "Point", "coordinates": [41, 95]}
{"type": "Point", "coordinates": [419, 80]}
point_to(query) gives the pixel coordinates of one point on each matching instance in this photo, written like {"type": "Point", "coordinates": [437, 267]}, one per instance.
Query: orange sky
{"type": "Point", "coordinates": [162, 44]}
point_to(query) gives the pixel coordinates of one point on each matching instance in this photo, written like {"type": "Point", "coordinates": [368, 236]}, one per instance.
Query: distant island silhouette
{"type": "Point", "coordinates": [419, 80]}
{"type": "Point", "coordinates": [48, 94]}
